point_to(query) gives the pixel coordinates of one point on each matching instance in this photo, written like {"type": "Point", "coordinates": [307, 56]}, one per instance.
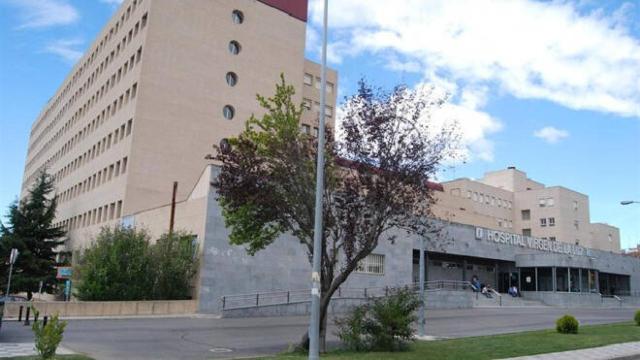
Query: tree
{"type": "Point", "coordinates": [175, 264]}
{"type": "Point", "coordinates": [30, 230]}
{"type": "Point", "coordinates": [122, 264]}
{"type": "Point", "coordinates": [376, 178]}
{"type": "Point", "coordinates": [117, 266]}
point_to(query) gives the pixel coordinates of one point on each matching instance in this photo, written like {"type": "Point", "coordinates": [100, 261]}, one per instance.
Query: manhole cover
{"type": "Point", "coordinates": [220, 350]}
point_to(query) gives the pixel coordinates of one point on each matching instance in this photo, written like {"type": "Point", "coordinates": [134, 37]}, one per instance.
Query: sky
{"type": "Point", "coordinates": [551, 87]}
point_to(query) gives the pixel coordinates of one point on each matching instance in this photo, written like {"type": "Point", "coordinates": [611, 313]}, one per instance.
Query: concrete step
{"type": "Point", "coordinates": [507, 301]}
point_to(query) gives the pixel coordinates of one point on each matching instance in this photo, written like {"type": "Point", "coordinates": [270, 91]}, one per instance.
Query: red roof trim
{"type": "Point", "coordinates": [295, 8]}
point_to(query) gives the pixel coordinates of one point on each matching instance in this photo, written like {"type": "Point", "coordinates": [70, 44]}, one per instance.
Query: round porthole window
{"type": "Point", "coordinates": [228, 111]}
{"type": "Point", "coordinates": [232, 78]}
{"type": "Point", "coordinates": [234, 47]}
{"type": "Point", "coordinates": [237, 16]}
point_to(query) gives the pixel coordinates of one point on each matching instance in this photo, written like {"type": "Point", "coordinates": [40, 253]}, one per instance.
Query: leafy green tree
{"type": "Point", "coordinates": [376, 178]}
{"type": "Point", "coordinates": [118, 266]}
{"type": "Point", "coordinates": [175, 264]}
{"type": "Point", "coordinates": [47, 337]}
{"type": "Point", "coordinates": [30, 229]}
{"type": "Point", "coordinates": [122, 264]}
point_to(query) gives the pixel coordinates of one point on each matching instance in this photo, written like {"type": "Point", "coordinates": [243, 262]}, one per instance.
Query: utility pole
{"type": "Point", "coordinates": [422, 307]}
{"type": "Point", "coordinates": [314, 327]}
{"type": "Point", "coordinates": [12, 260]}
{"type": "Point", "coordinates": [173, 208]}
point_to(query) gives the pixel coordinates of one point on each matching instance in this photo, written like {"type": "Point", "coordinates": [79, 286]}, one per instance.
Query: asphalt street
{"type": "Point", "coordinates": [212, 338]}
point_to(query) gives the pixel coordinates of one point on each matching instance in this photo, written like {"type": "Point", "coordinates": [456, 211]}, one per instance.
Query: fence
{"type": "Point", "coordinates": [266, 298]}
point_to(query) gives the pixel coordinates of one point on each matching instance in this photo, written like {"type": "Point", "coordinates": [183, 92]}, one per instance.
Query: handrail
{"type": "Point", "coordinates": [281, 297]}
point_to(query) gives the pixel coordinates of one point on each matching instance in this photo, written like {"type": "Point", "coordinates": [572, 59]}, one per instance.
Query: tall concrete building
{"type": "Point", "coordinates": [508, 200]}
{"type": "Point", "coordinates": [162, 82]}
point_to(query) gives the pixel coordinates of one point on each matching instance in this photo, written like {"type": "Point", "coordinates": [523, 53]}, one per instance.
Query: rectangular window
{"type": "Point", "coordinates": [305, 129]}
{"type": "Point", "coordinates": [575, 205]}
{"type": "Point", "coordinates": [329, 87]}
{"type": "Point", "coordinates": [308, 79]}
{"type": "Point", "coordinates": [306, 103]}
{"type": "Point", "coordinates": [124, 165]}
{"type": "Point", "coordinates": [543, 222]}
{"type": "Point", "coordinates": [318, 82]}
{"type": "Point", "coordinates": [526, 214]}
{"type": "Point", "coordinates": [372, 264]}
{"type": "Point", "coordinates": [576, 225]}
{"type": "Point", "coordinates": [552, 238]}
{"type": "Point", "coordinates": [526, 232]}
{"type": "Point", "coordinates": [552, 221]}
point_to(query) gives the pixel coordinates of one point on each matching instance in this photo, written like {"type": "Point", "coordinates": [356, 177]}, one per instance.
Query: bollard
{"type": "Point", "coordinates": [20, 313]}
{"type": "Point", "coordinates": [44, 321]}
{"type": "Point", "coordinates": [35, 316]}
{"type": "Point", "coordinates": [26, 317]}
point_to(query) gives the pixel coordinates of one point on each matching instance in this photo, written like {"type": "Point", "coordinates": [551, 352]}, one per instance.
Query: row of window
{"type": "Point", "coordinates": [307, 130]}
{"type": "Point", "coordinates": [101, 177]}
{"type": "Point", "coordinates": [92, 217]}
{"type": "Point", "coordinates": [505, 223]}
{"type": "Point", "coordinates": [133, 32]}
{"type": "Point", "coordinates": [309, 81]}
{"type": "Point", "coordinates": [83, 110]}
{"type": "Point", "coordinates": [96, 150]}
{"type": "Point", "coordinates": [547, 221]}
{"type": "Point", "coordinates": [237, 17]}
{"type": "Point", "coordinates": [106, 113]}
{"type": "Point", "coordinates": [485, 198]}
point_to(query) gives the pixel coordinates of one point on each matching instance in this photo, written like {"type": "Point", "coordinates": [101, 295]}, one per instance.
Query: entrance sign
{"type": "Point", "coordinates": [501, 237]}
{"type": "Point", "coordinates": [64, 272]}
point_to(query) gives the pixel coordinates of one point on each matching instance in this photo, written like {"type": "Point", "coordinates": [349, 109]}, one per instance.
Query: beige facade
{"type": "Point", "coordinates": [509, 201]}
{"type": "Point", "coordinates": [162, 83]}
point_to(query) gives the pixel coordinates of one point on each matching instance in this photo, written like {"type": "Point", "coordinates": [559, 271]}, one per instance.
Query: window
{"type": "Point", "coordinates": [232, 78]}
{"type": "Point", "coordinates": [306, 103]}
{"type": "Point", "coordinates": [234, 47]}
{"type": "Point", "coordinates": [543, 222]}
{"type": "Point", "coordinates": [228, 111]}
{"type": "Point", "coordinates": [329, 87]}
{"type": "Point", "coordinates": [526, 214]}
{"type": "Point", "coordinates": [306, 129]}
{"type": "Point", "coordinates": [328, 110]}
{"type": "Point", "coordinates": [308, 79]}
{"type": "Point", "coordinates": [552, 221]}
{"type": "Point", "coordinates": [552, 238]}
{"type": "Point", "coordinates": [546, 202]}
{"type": "Point", "coordinates": [237, 16]}
{"type": "Point", "coordinates": [575, 205]}
{"type": "Point", "coordinates": [576, 225]}
{"type": "Point", "coordinates": [372, 264]}
{"type": "Point", "coordinates": [468, 194]}
{"type": "Point", "coordinates": [499, 223]}
{"type": "Point", "coordinates": [610, 238]}
{"type": "Point", "coordinates": [475, 196]}
{"type": "Point", "coordinates": [526, 232]}
{"type": "Point", "coordinates": [318, 82]}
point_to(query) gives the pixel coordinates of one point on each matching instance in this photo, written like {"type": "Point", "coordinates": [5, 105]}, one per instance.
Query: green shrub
{"type": "Point", "coordinates": [123, 265]}
{"type": "Point", "coordinates": [637, 317]}
{"type": "Point", "coordinates": [47, 337]}
{"type": "Point", "coordinates": [351, 329]}
{"type": "Point", "coordinates": [384, 325]}
{"type": "Point", "coordinates": [567, 324]}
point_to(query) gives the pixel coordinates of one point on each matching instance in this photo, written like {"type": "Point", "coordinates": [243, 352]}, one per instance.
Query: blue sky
{"type": "Point", "coordinates": [550, 87]}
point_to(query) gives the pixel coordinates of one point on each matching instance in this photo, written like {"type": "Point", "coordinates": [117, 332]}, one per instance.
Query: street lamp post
{"type": "Point", "coordinates": [314, 326]}
{"type": "Point", "coordinates": [12, 260]}
{"type": "Point", "coordinates": [422, 309]}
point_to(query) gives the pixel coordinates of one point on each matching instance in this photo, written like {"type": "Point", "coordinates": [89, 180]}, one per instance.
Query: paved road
{"type": "Point", "coordinates": [193, 338]}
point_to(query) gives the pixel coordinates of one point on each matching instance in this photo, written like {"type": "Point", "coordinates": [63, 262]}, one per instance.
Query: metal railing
{"type": "Point", "coordinates": [282, 297]}
{"type": "Point", "coordinates": [615, 297]}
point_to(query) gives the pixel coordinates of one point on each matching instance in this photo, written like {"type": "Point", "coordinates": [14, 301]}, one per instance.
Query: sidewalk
{"type": "Point", "coordinates": [616, 351]}
{"type": "Point", "coordinates": [25, 349]}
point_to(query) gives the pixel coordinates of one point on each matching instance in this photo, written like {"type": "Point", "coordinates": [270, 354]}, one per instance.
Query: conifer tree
{"type": "Point", "coordinates": [29, 228]}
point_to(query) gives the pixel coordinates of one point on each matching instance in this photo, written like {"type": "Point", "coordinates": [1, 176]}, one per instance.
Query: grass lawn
{"type": "Point", "coordinates": [59, 357]}
{"type": "Point", "coordinates": [501, 346]}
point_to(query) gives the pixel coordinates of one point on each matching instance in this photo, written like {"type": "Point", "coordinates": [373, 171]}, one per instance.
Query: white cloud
{"type": "Point", "coordinates": [67, 49]}
{"type": "Point", "coordinates": [551, 134]}
{"type": "Point", "coordinates": [44, 13]}
{"type": "Point", "coordinates": [527, 49]}
{"type": "Point", "coordinates": [112, 2]}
